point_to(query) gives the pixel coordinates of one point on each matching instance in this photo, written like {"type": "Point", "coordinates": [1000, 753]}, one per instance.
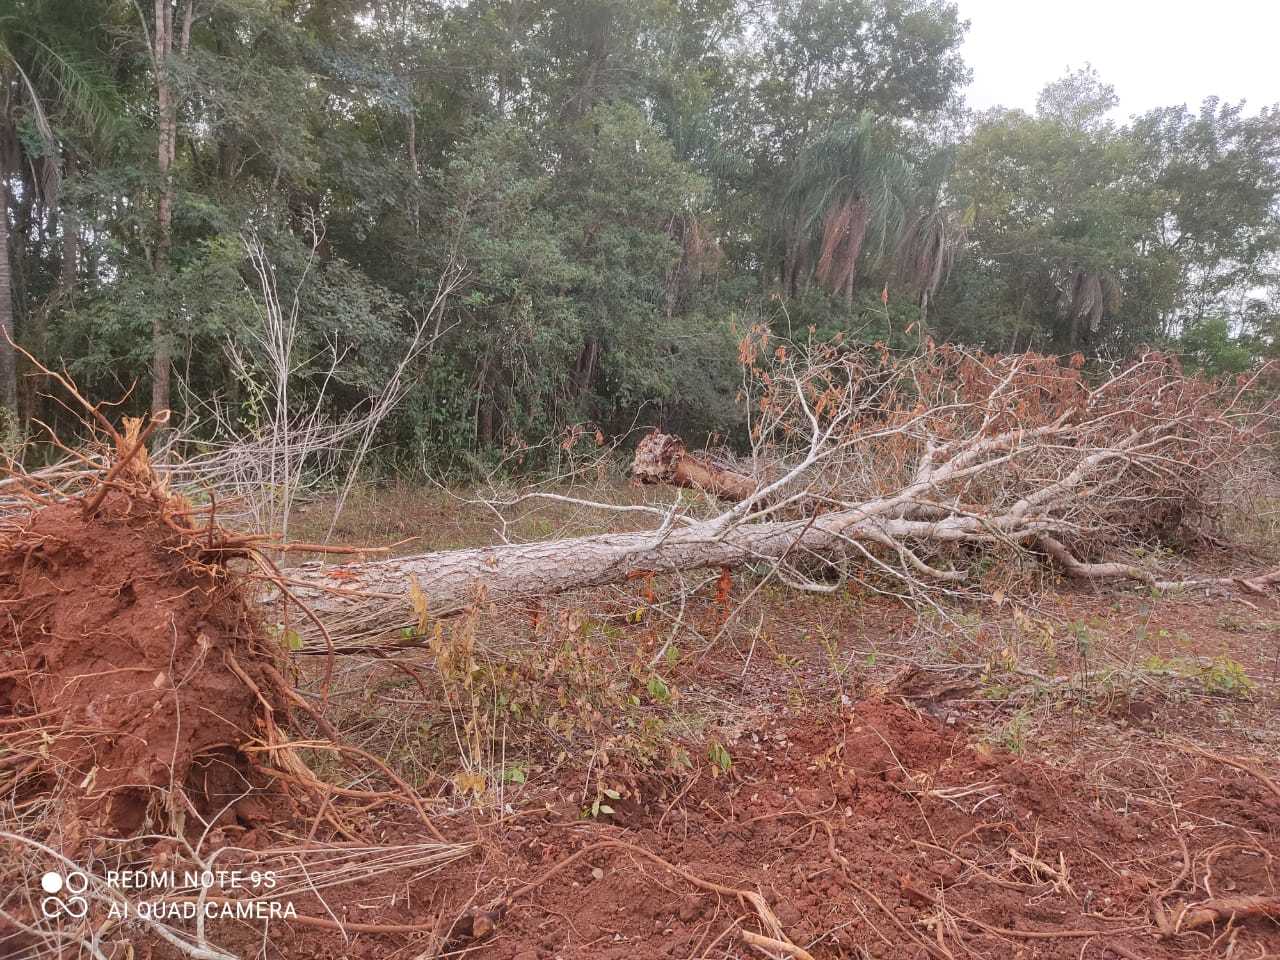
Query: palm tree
{"type": "Point", "coordinates": [1089, 296]}
{"type": "Point", "coordinates": [45, 82]}
{"type": "Point", "coordinates": [927, 249]}
{"type": "Point", "coordinates": [843, 189]}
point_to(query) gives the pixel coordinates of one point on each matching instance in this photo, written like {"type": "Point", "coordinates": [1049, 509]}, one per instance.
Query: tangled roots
{"type": "Point", "coordinates": [138, 691]}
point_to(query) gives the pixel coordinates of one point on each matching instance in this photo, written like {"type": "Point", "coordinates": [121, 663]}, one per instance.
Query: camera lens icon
{"type": "Point", "coordinates": [73, 906]}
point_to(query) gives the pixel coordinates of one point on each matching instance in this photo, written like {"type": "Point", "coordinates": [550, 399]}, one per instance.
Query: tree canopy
{"type": "Point", "coordinates": [624, 188]}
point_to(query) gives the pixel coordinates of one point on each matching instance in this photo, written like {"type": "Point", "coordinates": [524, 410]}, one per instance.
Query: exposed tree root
{"type": "Point", "coordinates": [1207, 913]}
{"type": "Point", "coordinates": [141, 695]}
{"type": "Point", "coordinates": [661, 458]}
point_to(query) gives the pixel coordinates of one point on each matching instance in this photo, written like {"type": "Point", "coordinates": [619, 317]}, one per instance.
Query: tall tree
{"type": "Point", "coordinates": [845, 185]}
{"type": "Point", "coordinates": [165, 43]}
{"type": "Point", "coordinates": [1057, 221]}
{"type": "Point", "coordinates": [49, 85]}
{"type": "Point", "coordinates": [1217, 173]}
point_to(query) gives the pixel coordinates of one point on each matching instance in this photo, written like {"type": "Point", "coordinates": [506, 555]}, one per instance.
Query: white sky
{"type": "Point", "coordinates": [1154, 52]}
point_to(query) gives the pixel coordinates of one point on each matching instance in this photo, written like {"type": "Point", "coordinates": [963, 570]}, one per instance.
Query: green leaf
{"type": "Point", "coordinates": [658, 689]}
{"type": "Point", "coordinates": [720, 756]}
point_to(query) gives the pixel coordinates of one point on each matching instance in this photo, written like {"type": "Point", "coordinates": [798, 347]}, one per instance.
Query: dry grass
{"type": "Point", "coordinates": [412, 518]}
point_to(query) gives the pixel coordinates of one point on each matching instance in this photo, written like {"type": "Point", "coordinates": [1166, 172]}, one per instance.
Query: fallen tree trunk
{"type": "Point", "coordinates": [369, 599]}
{"type": "Point", "coordinates": [661, 458]}
{"type": "Point", "coordinates": [899, 472]}
{"type": "Point", "coordinates": [359, 602]}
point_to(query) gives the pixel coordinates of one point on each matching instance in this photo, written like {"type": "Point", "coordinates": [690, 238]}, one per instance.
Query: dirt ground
{"type": "Point", "coordinates": [1087, 774]}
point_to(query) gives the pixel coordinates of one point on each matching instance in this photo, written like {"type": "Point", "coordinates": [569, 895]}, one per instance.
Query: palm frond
{"type": "Point", "coordinates": [84, 94]}
{"type": "Point", "coordinates": [1092, 295]}
{"type": "Point", "coordinates": [927, 248]}
{"type": "Point", "coordinates": [843, 190]}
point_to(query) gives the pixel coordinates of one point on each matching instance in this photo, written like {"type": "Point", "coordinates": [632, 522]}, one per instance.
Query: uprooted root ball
{"type": "Point", "coordinates": [138, 693]}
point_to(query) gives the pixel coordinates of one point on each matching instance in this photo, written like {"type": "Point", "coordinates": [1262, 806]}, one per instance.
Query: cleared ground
{"type": "Point", "coordinates": [1067, 771]}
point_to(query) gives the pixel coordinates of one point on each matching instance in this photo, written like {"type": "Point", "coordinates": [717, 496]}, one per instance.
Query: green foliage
{"type": "Point", "coordinates": [627, 186]}
{"type": "Point", "coordinates": [1209, 346]}
{"type": "Point", "coordinates": [1098, 237]}
{"type": "Point", "coordinates": [1013, 733]}
{"type": "Point", "coordinates": [1222, 676]}
{"type": "Point", "coordinates": [720, 758]}
{"type": "Point", "coordinates": [1226, 677]}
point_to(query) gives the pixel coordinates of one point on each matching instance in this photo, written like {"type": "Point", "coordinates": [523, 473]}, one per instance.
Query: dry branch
{"type": "Point", "coordinates": [1210, 912]}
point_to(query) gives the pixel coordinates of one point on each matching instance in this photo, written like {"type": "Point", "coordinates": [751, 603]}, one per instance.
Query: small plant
{"type": "Point", "coordinates": [721, 761]}
{"type": "Point", "coordinates": [1222, 676]}
{"type": "Point", "coordinates": [1040, 632]}
{"type": "Point", "coordinates": [787, 661]}
{"type": "Point", "coordinates": [658, 689]}
{"type": "Point", "coordinates": [598, 806]}
{"type": "Point", "coordinates": [1012, 736]}
{"type": "Point", "coordinates": [1226, 621]}
{"type": "Point", "coordinates": [1226, 677]}
{"type": "Point", "coordinates": [839, 669]}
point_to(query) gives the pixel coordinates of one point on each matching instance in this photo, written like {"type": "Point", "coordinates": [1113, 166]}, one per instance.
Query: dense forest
{"type": "Point", "coordinates": [577, 209]}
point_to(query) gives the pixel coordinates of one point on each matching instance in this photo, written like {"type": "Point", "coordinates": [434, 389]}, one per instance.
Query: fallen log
{"type": "Point", "coordinates": [365, 600]}
{"type": "Point", "coordinates": [888, 493]}
{"type": "Point", "coordinates": [362, 601]}
{"type": "Point", "coordinates": [661, 458]}
{"type": "Point", "coordinates": [901, 473]}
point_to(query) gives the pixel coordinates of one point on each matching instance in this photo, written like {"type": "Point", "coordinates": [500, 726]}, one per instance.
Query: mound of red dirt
{"type": "Point", "coordinates": [888, 834]}
{"type": "Point", "coordinates": [878, 832]}
{"type": "Point", "coordinates": [132, 673]}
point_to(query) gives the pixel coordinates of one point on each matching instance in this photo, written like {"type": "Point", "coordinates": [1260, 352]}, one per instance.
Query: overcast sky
{"type": "Point", "coordinates": [1154, 52]}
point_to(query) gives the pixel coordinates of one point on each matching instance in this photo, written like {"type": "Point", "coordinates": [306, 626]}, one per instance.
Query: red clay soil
{"type": "Point", "coordinates": [879, 832]}
{"type": "Point", "coordinates": [118, 650]}
{"type": "Point", "coordinates": [133, 679]}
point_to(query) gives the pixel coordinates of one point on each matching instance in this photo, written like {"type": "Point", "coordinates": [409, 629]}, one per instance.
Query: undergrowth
{"type": "Point", "coordinates": [489, 701]}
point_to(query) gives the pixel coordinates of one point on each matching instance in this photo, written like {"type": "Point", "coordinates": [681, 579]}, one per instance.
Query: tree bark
{"type": "Point", "coordinates": [8, 359]}
{"type": "Point", "coordinates": [370, 599]}
{"type": "Point", "coordinates": [584, 370]}
{"type": "Point", "coordinates": [70, 253]}
{"type": "Point", "coordinates": [414, 210]}
{"type": "Point", "coordinates": [166, 151]}
{"type": "Point", "coordinates": [360, 602]}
